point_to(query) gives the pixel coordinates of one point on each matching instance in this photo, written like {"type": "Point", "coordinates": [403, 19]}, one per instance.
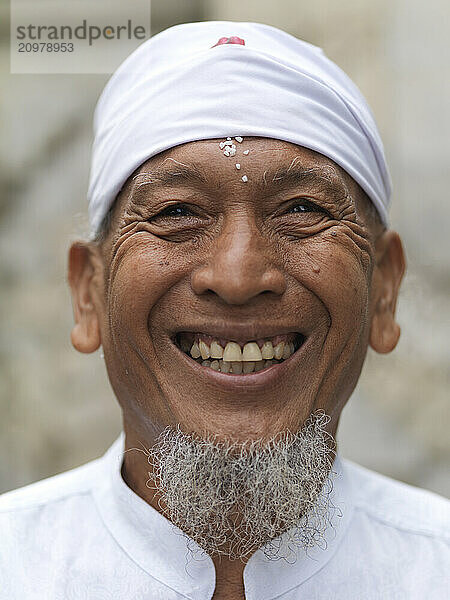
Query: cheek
{"type": "Point", "coordinates": [345, 286]}
{"type": "Point", "coordinates": [337, 277]}
{"type": "Point", "coordinates": [143, 273]}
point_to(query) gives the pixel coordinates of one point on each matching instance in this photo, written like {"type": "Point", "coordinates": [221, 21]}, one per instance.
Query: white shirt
{"type": "Point", "coordinates": [85, 535]}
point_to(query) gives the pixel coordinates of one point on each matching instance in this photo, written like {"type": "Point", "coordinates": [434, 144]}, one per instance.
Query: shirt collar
{"type": "Point", "coordinates": [161, 549]}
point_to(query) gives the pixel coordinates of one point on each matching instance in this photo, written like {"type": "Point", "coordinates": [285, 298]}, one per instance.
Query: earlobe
{"type": "Point", "coordinates": [386, 280]}
{"type": "Point", "coordinates": [85, 339]}
{"type": "Point", "coordinates": [384, 333]}
{"type": "Point", "coordinates": [83, 279]}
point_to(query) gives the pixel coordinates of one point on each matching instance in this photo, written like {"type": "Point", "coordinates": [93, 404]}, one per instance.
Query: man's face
{"type": "Point", "coordinates": [197, 254]}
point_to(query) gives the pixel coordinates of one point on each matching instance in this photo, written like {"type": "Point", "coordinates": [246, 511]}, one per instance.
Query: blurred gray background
{"type": "Point", "coordinates": [56, 407]}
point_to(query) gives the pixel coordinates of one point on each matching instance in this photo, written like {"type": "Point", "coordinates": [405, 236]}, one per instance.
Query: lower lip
{"type": "Point", "coordinates": [261, 378]}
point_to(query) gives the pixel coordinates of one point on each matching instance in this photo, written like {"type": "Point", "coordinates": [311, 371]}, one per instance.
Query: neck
{"type": "Point", "coordinates": [135, 469]}
{"type": "Point", "coordinates": [229, 579]}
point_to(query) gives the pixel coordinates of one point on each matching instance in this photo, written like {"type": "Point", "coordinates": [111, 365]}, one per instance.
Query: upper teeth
{"type": "Point", "coordinates": [232, 353]}
{"type": "Point", "coordinates": [216, 350]}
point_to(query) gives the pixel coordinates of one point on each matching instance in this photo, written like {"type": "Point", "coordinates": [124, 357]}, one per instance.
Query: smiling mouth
{"type": "Point", "coordinates": [238, 358]}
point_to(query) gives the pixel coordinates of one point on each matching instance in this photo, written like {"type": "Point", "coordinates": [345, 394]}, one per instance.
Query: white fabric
{"type": "Point", "coordinates": [177, 88]}
{"type": "Point", "coordinates": [85, 535]}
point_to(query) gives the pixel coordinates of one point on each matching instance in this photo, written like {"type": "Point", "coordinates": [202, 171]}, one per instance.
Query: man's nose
{"type": "Point", "coordinates": [239, 268]}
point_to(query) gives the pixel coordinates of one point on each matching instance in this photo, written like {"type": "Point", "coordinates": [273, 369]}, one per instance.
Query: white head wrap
{"type": "Point", "coordinates": [179, 87]}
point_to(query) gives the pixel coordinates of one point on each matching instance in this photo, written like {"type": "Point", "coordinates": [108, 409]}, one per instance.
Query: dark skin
{"type": "Point", "coordinates": [294, 249]}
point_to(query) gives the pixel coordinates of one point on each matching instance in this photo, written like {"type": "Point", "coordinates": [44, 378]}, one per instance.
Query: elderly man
{"type": "Point", "coordinates": [240, 267]}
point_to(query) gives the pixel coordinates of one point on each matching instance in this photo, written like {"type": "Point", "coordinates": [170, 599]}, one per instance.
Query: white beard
{"type": "Point", "coordinates": [233, 498]}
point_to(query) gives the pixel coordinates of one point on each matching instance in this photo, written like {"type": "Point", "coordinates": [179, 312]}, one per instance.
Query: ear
{"type": "Point", "coordinates": [386, 279]}
{"type": "Point", "coordinates": [85, 276]}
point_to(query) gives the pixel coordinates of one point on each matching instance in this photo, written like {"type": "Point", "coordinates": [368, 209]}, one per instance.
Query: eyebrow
{"type": "Point", "coordinates": [177, 177]}
{"type": "Point", "coordinates": [324, 177]}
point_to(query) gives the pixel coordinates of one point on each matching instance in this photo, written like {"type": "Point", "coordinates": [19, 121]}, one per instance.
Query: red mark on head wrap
{"type": "Point", "coordinates": [230, 40]}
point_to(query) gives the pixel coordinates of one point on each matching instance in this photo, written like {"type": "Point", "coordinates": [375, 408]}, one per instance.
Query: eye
{"type": "Point", "coordinates": [176, 210]}
{"type": "Point", "coordinates": [305, 206]}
